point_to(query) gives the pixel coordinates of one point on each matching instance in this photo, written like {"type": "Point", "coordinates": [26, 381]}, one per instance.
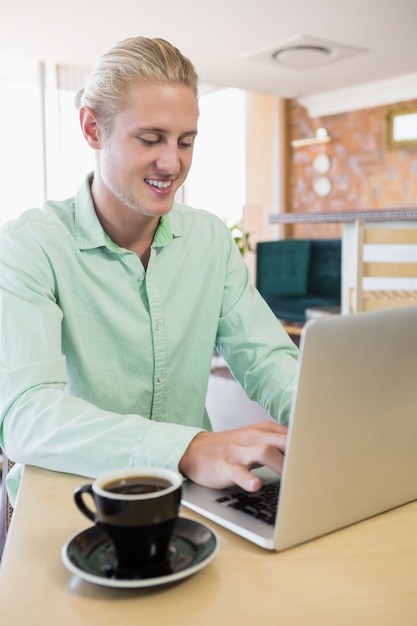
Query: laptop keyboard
{"type": "Point", "coordinates": [261, 505]}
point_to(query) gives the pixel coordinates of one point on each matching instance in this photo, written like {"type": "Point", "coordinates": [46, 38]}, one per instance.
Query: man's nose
{"type": "Point", "coordinates": [168, 160]}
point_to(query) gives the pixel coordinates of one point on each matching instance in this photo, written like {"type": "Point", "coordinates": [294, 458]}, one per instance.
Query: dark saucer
{"type": "Point", "coordinates": [90, 555]}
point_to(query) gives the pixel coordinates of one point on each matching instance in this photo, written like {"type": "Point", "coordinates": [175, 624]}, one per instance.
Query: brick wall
{"type": "Point", "coordinates": [364, 173]}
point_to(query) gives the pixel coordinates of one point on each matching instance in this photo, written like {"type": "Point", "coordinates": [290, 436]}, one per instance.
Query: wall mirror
{"type": "Point", "coordinates": [402, 128]}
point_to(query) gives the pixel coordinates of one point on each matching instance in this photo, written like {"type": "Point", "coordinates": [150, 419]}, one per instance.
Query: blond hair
{"type": "Point", "coordinates": [137, 60]}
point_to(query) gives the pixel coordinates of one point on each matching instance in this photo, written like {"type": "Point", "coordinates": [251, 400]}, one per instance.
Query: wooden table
{"type": "Point", "coordinates": [363, 575]}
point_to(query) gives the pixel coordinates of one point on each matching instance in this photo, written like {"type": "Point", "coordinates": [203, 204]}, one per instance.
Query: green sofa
{"type": "Point", "coordinates": [293, 275]}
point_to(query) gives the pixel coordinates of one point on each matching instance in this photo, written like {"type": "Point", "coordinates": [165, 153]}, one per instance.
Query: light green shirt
{"type": "Point", "coordinates": [105, 365]}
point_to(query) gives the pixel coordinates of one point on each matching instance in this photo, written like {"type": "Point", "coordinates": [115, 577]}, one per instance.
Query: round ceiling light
{"type": "Point", "coordinates": [302, 57]}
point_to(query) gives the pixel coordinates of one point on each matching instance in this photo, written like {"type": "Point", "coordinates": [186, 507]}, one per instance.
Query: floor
{"type": "Point", "coordinates": [227, 405]}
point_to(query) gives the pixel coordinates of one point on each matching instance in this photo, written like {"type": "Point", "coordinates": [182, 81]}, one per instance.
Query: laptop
{"type": "Point", "coordinates": [352, 441]}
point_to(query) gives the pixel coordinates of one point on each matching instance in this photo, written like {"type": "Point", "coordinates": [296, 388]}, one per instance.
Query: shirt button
{"type": "Point", "coordinates": [160, 378]}
{"type": "Point", "coordinates": [158, 325]}
{"type": "Point", "coordinates": [141, 277]}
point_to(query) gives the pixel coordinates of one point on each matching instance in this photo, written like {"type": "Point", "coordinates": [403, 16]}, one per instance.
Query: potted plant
{"type": "Point", "coordinates": [241, 238]}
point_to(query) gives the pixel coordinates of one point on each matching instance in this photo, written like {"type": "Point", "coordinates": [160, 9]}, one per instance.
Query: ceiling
{"type": "Point", "coordinates": [369, 40]}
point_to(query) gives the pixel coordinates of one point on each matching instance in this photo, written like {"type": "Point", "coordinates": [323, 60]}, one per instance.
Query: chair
{"type": "Point", "coordinates": [384, 281]}
{"type": "Point", "coordinates": [294, 275]}
{"type": "Point", "coordinates": [6, 510]}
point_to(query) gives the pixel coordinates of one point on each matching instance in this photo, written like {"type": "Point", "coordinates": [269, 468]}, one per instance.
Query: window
{"type": "Point", "coordinates": [216, 181]}
{"type": "Point", "coordinates": [21, 156]}
{"type": "Point", "coordinates": [68, 157]}
{"type": "Point", "coordinates": [43, 152]}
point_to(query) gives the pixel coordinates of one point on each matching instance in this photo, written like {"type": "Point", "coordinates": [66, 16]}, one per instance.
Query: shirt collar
{"type": "Point", "coordinates": [89, 233]}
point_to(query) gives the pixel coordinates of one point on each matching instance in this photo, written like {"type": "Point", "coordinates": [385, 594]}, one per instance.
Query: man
{"type": "Point", "coordinates": [112, 301]}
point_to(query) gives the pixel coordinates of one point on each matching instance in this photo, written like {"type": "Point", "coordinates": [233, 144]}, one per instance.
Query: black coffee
{"type": "Point", "coordinates": [136, 485]}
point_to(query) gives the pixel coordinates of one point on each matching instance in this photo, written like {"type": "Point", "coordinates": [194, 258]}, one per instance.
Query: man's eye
{"type": "Point", "coordinates": [149, 142]}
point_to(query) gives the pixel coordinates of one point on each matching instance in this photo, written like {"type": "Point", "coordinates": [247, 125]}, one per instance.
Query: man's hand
{"type": "Point", "coordinates": [222, 459]}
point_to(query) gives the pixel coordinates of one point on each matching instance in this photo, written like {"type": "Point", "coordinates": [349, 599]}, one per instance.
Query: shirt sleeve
{"type": "Point", "coordinates": [251, 339]}
{"type": "Point", "coordinates": [40, 423]}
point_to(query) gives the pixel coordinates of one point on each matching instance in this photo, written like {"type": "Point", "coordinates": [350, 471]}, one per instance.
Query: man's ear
{"type": "Point", "coordinates": [90, 128]}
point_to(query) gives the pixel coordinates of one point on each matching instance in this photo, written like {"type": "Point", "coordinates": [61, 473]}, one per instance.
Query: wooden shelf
{"type": "Point", "coordinates": [389, 215]}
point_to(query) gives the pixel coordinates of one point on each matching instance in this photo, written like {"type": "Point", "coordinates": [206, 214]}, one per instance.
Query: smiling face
{"type": "Point", "coordinates": [146, 156]}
